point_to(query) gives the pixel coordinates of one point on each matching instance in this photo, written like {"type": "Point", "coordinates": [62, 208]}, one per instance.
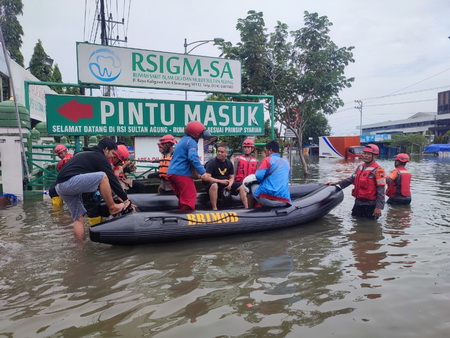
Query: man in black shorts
{"type": "Point", "coordinates": [220, 176]}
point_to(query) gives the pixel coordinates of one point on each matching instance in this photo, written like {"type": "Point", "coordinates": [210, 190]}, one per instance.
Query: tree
{"type": "Point", "coordinates": [37, 67]}
{"type": "Point", "coordinates": [442, 139]}
{"type": "Point", "coordinates": [316, 126]}
{"type": "Point", "coordinates": [11, 28]}
{"type": "Point", "coordinates": [305, 74]}
{"type": "Point", "coordinates": [406, 142]}
{"type": "Point", "coordinates": [57, 77]}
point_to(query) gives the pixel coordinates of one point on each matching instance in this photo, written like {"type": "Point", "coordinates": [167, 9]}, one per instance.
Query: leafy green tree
{"type": "Point", "coordinates": [442, 139]}
{"type": "Point", "coordinates": [11, 28]}
{"type": "Point", "coordinates": [37, 67]}
{"type": "Point", "coordinates": [302, 69]}
{"type": "Point", "coordinates": [316, 126]}
{"type": "Point", "coordinates": [409, 142]}
{"type": "Point", "coordinates": [57, 77]}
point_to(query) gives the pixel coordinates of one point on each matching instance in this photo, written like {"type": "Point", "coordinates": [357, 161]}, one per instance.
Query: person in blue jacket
{"type": "Point", "coordinates": [273, 177]}
{"type": "Point", "coordinates": [184, 159]}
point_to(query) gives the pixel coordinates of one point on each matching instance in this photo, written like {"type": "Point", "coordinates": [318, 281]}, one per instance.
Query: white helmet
{"type": "Point", "coordinates": [248, 181]}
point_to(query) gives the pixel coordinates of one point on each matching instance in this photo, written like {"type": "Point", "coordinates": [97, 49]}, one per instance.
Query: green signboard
{"type": "Point", "coordinates": [86, 115]}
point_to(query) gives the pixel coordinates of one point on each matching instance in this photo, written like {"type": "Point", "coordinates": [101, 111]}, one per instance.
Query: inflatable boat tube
{"type": "Point", "coordinates": [156, 220]}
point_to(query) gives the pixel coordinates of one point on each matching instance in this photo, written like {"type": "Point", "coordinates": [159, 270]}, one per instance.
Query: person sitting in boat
{"type": "Point", "coordinates": [271, 178]}
{"type": "Point", "coordinates": [185, 156]}
{"type": "Point", "coordinates": [219, 179]}
{"type": "Point", "coordinates": [166, 146]}
{"type": "Point", "coordinates": [369, 182]}
{"type": "Point", "coordinates": [121, 167]}
{"type": "Point", "coordinates": [399, 182]}
{"type": "Point", "coordinates": [88, 171]}
{"type": "Point", "coordinates": [245, 165]}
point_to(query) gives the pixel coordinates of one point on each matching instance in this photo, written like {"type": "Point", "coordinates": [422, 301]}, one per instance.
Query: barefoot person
{"type": "Point", "coordinates": [86, 172]}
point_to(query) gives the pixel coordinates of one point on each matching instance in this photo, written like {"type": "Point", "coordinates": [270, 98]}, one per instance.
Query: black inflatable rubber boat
{"type": "Point", "coordinates": [156, 218]}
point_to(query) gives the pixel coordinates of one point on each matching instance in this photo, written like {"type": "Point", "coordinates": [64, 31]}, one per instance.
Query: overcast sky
{"type": "Point", "coordinates": [402, 49]}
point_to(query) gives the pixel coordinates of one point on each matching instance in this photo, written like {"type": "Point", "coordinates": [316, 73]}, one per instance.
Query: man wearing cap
{"type": "Point", "coordinates": [399, 182]}
{"type": "Point", "coordinates": [369, 182]}
{"type": "Point", "coordinates": [273, 176]}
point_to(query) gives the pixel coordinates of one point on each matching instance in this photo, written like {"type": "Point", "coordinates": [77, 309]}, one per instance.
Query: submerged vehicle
{"type": "Point", "coordinates": [158, 220]}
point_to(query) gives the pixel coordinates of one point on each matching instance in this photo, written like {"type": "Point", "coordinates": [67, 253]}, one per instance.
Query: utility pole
{"type": "Point", "coordinates": [360, 108]}
{"type": "Point", "coordinates": [103, 33]}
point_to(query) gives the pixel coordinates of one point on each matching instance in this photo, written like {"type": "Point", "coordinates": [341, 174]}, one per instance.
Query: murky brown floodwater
{"type": "Point", "coordinates": [339, 276]}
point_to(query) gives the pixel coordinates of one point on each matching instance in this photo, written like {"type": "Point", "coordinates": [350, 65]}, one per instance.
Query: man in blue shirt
{"type": "Point", "coordinates": [184, 159]}
{"type": "Point", "coordinates": [273, 177]}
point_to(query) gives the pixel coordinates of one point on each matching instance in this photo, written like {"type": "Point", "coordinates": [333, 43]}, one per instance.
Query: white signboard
{"type": "Point", "coordinates": [36, 99]}
{"type": "Point", "coordinates": [118, 66]}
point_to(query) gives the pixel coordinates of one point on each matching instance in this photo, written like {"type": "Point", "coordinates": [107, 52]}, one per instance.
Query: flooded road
{"type": "Point", "coordinates": [339, 276]}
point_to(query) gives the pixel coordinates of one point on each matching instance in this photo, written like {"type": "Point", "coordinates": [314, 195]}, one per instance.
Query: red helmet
{"type": "Point", "coordinates": [167, 139]}
{"type": "Point", "coordinates": [60, 148]}
{"type": "Point", "coordinates": [248, 143]}
{"type": "Point", "coordinates": [401, 157]}
{"type": "Point", "coordinates": [122, 152]}
{"type": "Point", "coordinates": [196, 130]}
{"type": "Point", "coordinates": [371, 148]}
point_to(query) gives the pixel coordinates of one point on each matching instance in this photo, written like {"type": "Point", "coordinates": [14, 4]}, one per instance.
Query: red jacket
{"type": "Point", "coordinates": [399, 183]}
{"type": "Point", "coordinates": [64, 161]}
{"type": "Point", "coordinates": [245, 168]}
{"type": "Point", "coordinates": [366, 181]}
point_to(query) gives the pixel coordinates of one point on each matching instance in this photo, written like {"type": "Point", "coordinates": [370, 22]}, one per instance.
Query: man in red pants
{"type": "Point", "coordinates": [185, 157]}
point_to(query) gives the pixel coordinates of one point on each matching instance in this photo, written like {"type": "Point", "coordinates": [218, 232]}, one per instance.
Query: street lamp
{"type": "Point", "coordinates": [197, 43]}
{"type": "Point", "coordinates": [46, 61]}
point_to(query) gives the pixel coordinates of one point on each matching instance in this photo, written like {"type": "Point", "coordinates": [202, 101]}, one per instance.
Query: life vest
{"type": "Point", "coordinates": [118, 172]}
{"type": "Point", "coordinates": [366, 181]}
{"type": "Point", "coordinates": [245, 168]}
{"type": "Point", "coordinates": [164, 162]}
{"type": "Point", "coordinates": [401, 185]}
{"type": "Point", "coordinates": [61, 163]}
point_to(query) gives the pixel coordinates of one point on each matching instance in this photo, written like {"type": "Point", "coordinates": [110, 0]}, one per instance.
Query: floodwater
{"type": "Point", "coordinates": [339, 276]}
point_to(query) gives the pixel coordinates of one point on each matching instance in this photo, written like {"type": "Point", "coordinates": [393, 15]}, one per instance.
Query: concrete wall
{"type": "Point", "coordinates": [11, 165]}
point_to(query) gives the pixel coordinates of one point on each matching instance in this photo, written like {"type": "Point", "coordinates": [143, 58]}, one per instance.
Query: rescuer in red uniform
{"type": "Point", "coordinates": [369, 182]}
{"type": "Point", "coordinates": [399, 182]}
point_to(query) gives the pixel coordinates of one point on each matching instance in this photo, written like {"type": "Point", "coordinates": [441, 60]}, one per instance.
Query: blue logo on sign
{"type": "Point", "coordinates": [105, 65]}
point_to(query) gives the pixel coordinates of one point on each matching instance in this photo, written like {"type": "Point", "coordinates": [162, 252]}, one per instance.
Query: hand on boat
{"type": "Point", "coordinates": [331, 183]}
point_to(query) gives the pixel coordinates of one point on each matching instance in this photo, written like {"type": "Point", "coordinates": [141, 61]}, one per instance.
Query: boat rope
{"type": "Point", "coordinates": [223, 218]}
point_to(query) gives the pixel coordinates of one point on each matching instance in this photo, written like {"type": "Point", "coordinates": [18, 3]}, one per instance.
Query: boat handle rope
{"type": "Point", "coordinates": [174, 219]}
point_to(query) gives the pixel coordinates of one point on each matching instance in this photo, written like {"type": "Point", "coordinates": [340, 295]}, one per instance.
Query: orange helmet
{"type": "Point", "coordinates": [401, 157]}
{"type": "Point", "coordinates": [371, 148]}
{"type": "Point", "coordinates": [167, 139]}
{"type": "Point", "coordinates": [248, 143]}
{"type": "Point", "coordinates": [196, 130]}
{"type": "Point", "coordinates": [122, 152]}
{"type": "Point", "coordinates": [60, 148]}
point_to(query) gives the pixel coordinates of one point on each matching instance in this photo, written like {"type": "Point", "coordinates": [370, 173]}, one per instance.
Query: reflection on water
{"type": "Point", "coordinates": [338, 276]}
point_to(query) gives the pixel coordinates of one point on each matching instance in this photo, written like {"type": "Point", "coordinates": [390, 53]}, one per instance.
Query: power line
{"type": "Point", "coordinates": [391, 104]}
